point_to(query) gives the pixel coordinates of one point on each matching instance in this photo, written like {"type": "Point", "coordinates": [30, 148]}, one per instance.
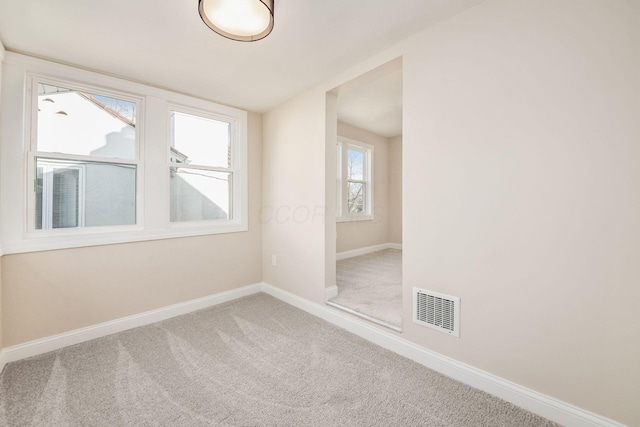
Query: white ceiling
{"type": "Point", "coordinates": [164, 43]}
{"type": "Point", "coordinates": [373, 101]}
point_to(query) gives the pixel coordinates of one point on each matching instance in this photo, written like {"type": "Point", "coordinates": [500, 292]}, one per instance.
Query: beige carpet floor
{"type": "Point", "coordinates": [255, 361]}
{"type": "Point", "coordinates": [371, 284]}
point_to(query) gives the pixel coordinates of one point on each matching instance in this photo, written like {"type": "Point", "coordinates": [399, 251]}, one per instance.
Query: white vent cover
{"type": "Point", "coordinates": [436, 311]}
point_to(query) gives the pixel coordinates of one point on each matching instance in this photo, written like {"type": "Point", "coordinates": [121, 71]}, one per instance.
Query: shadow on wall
{"type": "Point", "coordinates": [120, 144]}
{"type": "Point", "coordinates": [189, 204]}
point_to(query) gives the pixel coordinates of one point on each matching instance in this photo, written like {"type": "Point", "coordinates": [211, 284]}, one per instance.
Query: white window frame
{"type": "Point", "coordinates": [34, 154]}
{"type": "Point", "coordinates": [47, 194]}
{"type": "Point", "coordinates": [18, 159]}
{"type": "Point", "coordinates": [343, 145]}
{"type": "Point", "coordinates": [238, 163]}
{"type": "Point", "coordinates": [339, 169]}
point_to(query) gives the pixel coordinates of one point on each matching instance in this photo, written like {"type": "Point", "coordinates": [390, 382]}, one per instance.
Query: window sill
{"type": "Point", "coordinates": [38, 244]}
{"type": "Point", "coordinates": [355, 218]}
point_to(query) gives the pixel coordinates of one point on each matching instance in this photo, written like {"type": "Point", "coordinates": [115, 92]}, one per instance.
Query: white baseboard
{"type": "Point", "coordinates": [330, 292]}
{"type": "Point", "coordinates": [367, 250]}
{"type": "Point", "coordinates": [365, 317]}
{"type": "Point", "coordinates": [55, 342]}
{"type": "Point", "coordinates": [538, 403]}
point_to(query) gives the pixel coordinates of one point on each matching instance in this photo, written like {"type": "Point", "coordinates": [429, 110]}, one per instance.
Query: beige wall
{"type": "Point", "coordinates": [522, 148]}
{"type": "Point", "coordinates": [521, 192]}
{"type": "Point", "coordinates": [360, 234]}
{"type": "Point", "coordinates": [2, 51]}
{"type": "Point", "coordinates": [295, 140]}
{"type": "Point", "coordinates": [46, 293]}
{"type": "Point", "coordinates": [520, 139]}
{"type": "Point", "coordinates": [395, 190]}
{"type": "Point", "coordinates": [1, 313]}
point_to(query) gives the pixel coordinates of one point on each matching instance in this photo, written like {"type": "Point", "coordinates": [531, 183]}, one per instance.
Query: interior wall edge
{"type": "Point", "coordinates": [331, 230]}
{"type": "Point", "coordinates": [2, 362]}
{"type": "Point", "coordinates": [331, 292]}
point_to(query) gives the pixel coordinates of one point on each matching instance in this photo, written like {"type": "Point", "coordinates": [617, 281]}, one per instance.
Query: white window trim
{"type": "Point", "coordinates": [339, 191]}
{"type": "Point", "coordinates": [32, 154]}
{"type": "Point", "coordinates": [342, 215]}
{"type": "Point", "coordinates": [18, 160]}
{"type": "Point", "coordinates": [47, 194]}
{"type": "Point", "coordinates": [238, 164]}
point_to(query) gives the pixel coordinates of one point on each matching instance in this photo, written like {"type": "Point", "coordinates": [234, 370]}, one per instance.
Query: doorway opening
{"type": "Point", "coordinates": [368, 173]}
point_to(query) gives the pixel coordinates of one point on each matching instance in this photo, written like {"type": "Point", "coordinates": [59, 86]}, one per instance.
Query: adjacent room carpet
{"type": "Point", "coordinates": [255, 361]}
{"type": "Point", "coordinates": [371, 284]}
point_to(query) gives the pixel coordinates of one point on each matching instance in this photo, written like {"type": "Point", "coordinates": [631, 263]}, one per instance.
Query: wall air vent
{"type": "Point", "coordinates": [436, 311]}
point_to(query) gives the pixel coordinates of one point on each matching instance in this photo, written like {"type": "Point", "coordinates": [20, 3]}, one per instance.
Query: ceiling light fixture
{"type": "Point", "coordinates": [241, 20]}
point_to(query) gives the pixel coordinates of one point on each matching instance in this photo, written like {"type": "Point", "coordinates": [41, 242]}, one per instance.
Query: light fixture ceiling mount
{"type": "Point", "coordinates": [241, 20]}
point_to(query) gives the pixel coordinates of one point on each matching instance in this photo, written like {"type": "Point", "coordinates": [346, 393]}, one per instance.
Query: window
{"type": "Point", "coordinates": [100, 160]}
{"type": "Point", "coordinates": [356, 183]}
{"type": "Point", "coordinates": [201, 168]}
{"type": "Point", "coordinates": [84, 157]}
{"type": "Point", "coordinates": [354, 180]}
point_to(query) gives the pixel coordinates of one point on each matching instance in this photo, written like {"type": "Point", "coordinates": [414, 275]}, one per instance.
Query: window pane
{"type": "Point", "coordinates": [199, 195]}
{"type": "Point", "coordinates": [84, 194]}
{"type": "Point", "coordinates": [357, 191]}
{"type": "Point", "coordinates": [355, 165]}
{"type": "Point", "coordinates": [110, 194]}
{"type": "Point", "coordinates": [200, 141]}
{"type": "Point", "coordinates": [82, 123]}
{"type": "Point", "coordinates": [65, 203]}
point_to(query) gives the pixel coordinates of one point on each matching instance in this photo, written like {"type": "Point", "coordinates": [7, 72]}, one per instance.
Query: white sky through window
{"type": "Point", "coordinates": [355, 165]}
{"type": "Point", "coordinates": [204, 141]}
{"type": "Point", "coordinates": [79, 123]}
